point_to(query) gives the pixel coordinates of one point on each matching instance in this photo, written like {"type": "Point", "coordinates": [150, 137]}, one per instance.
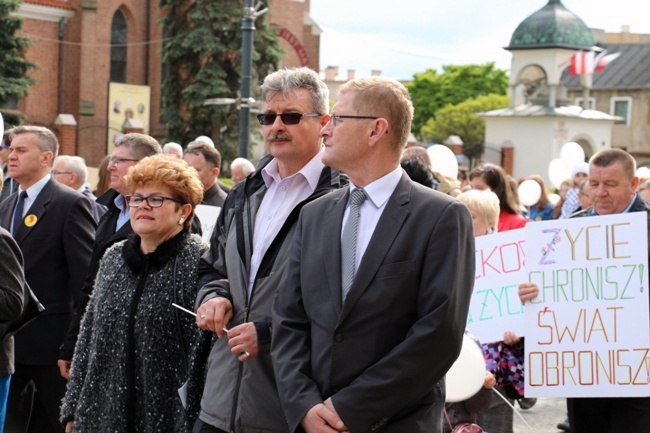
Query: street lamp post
{"type": "Point", "coordinates": [248, 28]}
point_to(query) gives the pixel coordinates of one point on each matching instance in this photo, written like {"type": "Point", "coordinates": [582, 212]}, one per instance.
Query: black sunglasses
{"type": "Point", "coordinates": [287, 118]}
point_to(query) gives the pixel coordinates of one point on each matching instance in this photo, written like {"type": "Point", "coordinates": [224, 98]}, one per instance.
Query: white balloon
{"type": "Point", "coordinates": [443, 160]}
{"type": "Point", "coordinates": [643, 172]}
{"type": "Point", "coordinates": [466, 376]}
{"type": "Point", "coordinates": [2, 126]}
{"type": "Point", "coordinates": [529, 192]}
{"type": "Point", "coordinates": [554, 199]}
{"type": "Point", "coordinates": [558, 172]}
{"type": "Point", "coordinates": [572, 153]}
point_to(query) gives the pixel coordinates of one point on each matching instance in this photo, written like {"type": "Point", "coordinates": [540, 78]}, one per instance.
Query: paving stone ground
{"type": "Point", "coordinates": [542, 418]}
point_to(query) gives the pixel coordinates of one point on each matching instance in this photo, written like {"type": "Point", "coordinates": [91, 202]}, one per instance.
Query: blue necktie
{"type": "Point", "coordinates": [18, 211]}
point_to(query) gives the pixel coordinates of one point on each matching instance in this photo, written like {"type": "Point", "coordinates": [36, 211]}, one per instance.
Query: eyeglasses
{"type": "Point", "coordinates": [116, 160]}
{"type": "Point", "coordinates": [335, 118]}
{"type": "Point", "coordinates": [152, 201]}
{"type": "Point", "coordinates": [287, 118]}
{"type": "Point", "coordinates": [55, 172]}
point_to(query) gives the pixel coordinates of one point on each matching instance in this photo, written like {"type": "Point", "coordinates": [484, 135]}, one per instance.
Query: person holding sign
{"type": "Point", "coordinates": [613, 186]}
{"type": "Point", "coordinates": [503, 358]}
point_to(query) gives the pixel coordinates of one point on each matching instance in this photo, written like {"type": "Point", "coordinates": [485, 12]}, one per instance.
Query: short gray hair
{"type": "Point", "coordinates": [172, 146]}
{"type": "Point", "coordinates": [289, 80]}
{"type": "Point", "coordinates": [75, 164]}
{"type": "Point", "coordinates": [246, 166]}
{"type": "Point", "coordinates": [140, 145]}
{"type": "Point", "coordinates": [46, 139]}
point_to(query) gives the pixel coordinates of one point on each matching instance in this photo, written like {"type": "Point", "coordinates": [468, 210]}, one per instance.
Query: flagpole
{"type": "Point", "coordinates": [587, 82]}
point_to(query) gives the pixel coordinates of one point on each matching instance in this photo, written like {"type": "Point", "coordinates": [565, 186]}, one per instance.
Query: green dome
{"type": "Point", "coordinates": [553, 26]}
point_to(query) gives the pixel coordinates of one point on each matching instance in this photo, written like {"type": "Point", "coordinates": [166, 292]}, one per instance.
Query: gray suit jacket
{"type": "Point", "coordinates": [382, 355]}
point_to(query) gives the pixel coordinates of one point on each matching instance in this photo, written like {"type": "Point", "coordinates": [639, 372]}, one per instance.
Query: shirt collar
{"type": "Point", "coordinates": [380, 190]}
{"type": "Point", "coordinates": [310, 171]}
{"type": "Point", "coordinates": [34, 190]}
{"type": "Point", "coordinates": [120, 203]}
{"type": "Point", "coordinates": [626, 210]}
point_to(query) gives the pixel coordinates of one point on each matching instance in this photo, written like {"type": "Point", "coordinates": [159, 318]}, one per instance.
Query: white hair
{"type": "Point", "coordinates": [167, 148]}
{"type": "Point", "coordinates": [205, 139]}
{"type": "Point", "coordinates": [246, 166]}
{"type": "Point", "coordinates": [75, 164]}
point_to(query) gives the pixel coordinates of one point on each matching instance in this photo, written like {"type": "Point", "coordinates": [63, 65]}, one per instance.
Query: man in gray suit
{"type": "Point", "coordinates": [367, 348]}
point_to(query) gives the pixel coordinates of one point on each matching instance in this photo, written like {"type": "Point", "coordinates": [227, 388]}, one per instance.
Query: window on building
{"type": "Point", "coordinates": [621, 106]}
{"type": "Point", "coordinates": [591, 104]}
{"type": "Point", "coordinates": [118, 48]}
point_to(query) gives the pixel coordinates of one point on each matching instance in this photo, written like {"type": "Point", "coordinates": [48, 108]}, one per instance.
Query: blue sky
{"type": "Point", "coordinates": [402, 37]}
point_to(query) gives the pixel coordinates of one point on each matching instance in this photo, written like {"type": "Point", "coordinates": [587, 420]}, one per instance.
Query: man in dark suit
{"type": "Point", "coordinates": [613, 190]}
{"type": "Point", "coordinates": [362, 341]}
{"type": "Point", "coordinates": [113, 227]}
{"type": "Point", "coordinates": [206, 160]}
{"type": "Point", "coordinates": [54, 227]}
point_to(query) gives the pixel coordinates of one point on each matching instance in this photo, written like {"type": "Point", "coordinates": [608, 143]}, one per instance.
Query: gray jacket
{"type": "Point", "coordinates": [242, 397]}
{"type": "Point", "coordinates": [12, 282]}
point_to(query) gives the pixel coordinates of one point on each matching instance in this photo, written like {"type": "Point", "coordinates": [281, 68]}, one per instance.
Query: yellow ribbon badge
{"type": "Point", "coordinates": [31, 220]}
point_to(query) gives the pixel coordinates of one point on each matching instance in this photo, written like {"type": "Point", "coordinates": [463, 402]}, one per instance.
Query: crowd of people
{"type": "Point", "coordinates": [333, 295]}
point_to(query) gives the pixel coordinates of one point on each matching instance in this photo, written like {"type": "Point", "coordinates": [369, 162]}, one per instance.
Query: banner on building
{"type": "Point", "coordinates": [126, 101]}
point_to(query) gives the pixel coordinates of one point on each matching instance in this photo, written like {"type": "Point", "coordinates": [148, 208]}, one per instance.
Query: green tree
{"type": "Point", "coordinates": [14, 81]}
{"type": "Point", "coordinates": [461, 120]}
{"type": "Point", "coordinates": [202, 58]}
{"type": "Point", "coordinates": [431, 91]}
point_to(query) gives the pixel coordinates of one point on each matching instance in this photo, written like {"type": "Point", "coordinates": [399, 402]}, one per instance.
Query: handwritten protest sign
{"type": "Point", "coordinates": [495, 306]}
{"type": "Point", "coordinates": [587, 333]}
{"type": "Point", "coordinates": [208, 216]}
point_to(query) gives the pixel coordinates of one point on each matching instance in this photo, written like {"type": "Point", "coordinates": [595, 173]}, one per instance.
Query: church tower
{"type": "Point", "coordinates": [542, 47]}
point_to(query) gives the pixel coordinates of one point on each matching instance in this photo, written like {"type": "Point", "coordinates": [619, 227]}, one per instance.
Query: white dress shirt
{"type": "Point", "coordinates": [281, 198]}
{"type": "Point", "coordinates": [32, 193]}
{"type": "Point", "coordinates": [378, 193]}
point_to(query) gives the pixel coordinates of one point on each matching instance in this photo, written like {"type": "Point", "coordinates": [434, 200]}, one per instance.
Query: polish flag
{"type": "Point", "coordinates": [584, 63]}
{"type": "Point", "coordinates": [603, 60]}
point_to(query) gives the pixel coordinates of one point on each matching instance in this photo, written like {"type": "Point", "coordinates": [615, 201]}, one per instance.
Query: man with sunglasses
{"type": "Point", "coordinates": [251, 241]}
{"type": "Point", "coordinates": [372, 308]}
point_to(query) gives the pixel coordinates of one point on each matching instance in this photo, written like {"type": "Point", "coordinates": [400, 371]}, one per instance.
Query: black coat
{"type": "Point", "coordinates": [56, 239]}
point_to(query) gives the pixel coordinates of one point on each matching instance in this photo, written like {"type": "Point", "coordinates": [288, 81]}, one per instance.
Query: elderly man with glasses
{"type": "Point", "coordinates": [73, 172]}
{"type": "Point", "coordinates": [113, 227]}
{"type": "Point", "coordinates": [241, 271]}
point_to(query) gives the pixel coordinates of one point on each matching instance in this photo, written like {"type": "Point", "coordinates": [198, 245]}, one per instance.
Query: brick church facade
{"type": "Point", "coordinates": [79, 44]}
